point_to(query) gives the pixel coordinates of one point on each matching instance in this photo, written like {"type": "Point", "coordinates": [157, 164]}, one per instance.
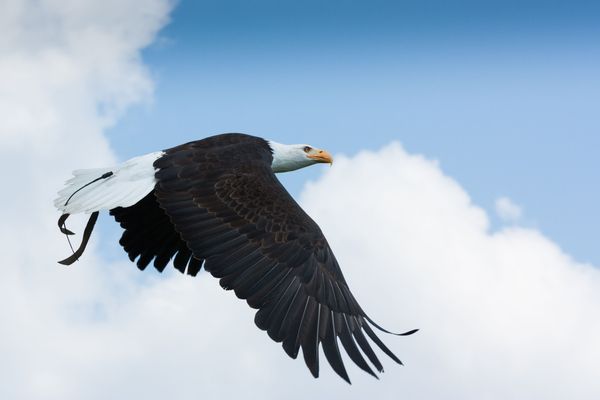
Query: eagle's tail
{"type": "Point", "coordinates": [92, 190]}
{"type": "Point", "coordinates": [98, 189]}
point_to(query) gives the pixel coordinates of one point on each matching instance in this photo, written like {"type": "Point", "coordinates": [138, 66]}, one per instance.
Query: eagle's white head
{"type": "Point", "coordinates": [290, 157]}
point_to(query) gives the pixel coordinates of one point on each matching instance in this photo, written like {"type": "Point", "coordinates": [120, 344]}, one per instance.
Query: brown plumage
{"type": "Point", "coordinates": [218, 205]}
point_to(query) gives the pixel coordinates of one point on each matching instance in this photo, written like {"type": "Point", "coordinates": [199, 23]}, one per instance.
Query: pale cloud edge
{"type": "Point", "coordinates": [507, 210]}
{"type": "Point", "coordinates": [501, 313]}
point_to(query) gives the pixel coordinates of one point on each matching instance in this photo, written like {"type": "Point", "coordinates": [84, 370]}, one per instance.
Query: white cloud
{"type": "Point", "coordinates": [504, 315]}
{"type": "Point", "coordinates": [68, 69]}
{"type": "Point", "coordinates": [507, 210]}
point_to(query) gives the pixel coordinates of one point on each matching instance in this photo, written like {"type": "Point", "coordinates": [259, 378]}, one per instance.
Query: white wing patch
{"type": "Point", "coordinates": [129, 183]}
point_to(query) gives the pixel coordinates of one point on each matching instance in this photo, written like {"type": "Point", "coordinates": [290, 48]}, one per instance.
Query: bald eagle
{"type": "Point", "coordinates": [216, 203]}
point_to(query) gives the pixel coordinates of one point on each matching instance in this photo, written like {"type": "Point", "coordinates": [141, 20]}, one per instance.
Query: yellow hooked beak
{"type": "Point", "coordinates": [320, 156]}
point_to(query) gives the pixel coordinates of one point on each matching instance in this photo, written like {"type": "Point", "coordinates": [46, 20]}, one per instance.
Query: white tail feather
{"type": "Point", "coordinates": [129, 183]}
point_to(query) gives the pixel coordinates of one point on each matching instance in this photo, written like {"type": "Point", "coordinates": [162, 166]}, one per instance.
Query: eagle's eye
{"type": "Point", "coordinates": [307, 149]}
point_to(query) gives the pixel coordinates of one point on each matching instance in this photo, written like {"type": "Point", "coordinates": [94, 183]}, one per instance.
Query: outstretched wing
{"type": "Point", "coordinates": [226, 203]}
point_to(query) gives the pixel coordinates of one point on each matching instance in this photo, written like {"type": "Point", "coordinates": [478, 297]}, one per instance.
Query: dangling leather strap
{"type": "Point", "coordinates": [86, 236]}
{"type": "Point", "coordinates": [88, 228]}
{"type": "Point", "coordinates": [62, 226]}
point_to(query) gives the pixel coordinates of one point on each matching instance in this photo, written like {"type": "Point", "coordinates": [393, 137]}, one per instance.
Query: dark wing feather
{"type": "Point", "coordinates": [149, 235]}
{"type": "Point", "coordinates": [224, 200]}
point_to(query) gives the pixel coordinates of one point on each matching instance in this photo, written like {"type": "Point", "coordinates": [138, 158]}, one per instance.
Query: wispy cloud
{"type": "Point", "coordinates": [507, 210]}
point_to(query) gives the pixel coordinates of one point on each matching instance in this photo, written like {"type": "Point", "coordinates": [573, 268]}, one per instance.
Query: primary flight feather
{"type": "Point", "coordinates": [216, 204]}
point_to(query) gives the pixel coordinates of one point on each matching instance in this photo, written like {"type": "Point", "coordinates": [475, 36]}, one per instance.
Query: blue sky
{"type": "Point", "coordinates": [506, 94]}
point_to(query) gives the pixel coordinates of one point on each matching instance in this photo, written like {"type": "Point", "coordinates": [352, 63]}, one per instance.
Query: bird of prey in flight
{"type": "Point", "coordinates": [217, 204]}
